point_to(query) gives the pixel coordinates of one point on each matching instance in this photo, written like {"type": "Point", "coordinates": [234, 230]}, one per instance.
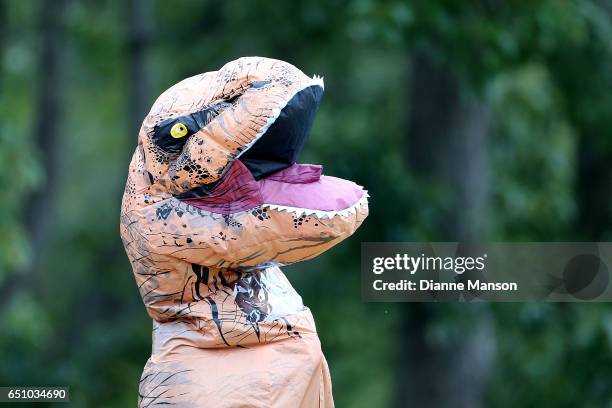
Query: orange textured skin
{"type": "Point", "coordinates": [229, 330]}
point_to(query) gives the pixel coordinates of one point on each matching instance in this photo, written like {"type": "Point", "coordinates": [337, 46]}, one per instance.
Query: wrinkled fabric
{"type": "Point", "coordinates": [206, 237]}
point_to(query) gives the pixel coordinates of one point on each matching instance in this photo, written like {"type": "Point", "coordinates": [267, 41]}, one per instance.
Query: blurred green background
{"type": "Point", "coordinates": [487, 119]}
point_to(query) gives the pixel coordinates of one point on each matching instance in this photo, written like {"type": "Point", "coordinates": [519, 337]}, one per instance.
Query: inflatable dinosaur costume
{"type": "Point", "coordinates": [214, 204]}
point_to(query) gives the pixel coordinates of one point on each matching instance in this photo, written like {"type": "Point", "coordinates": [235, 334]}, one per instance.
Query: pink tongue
{"type": "Point", "coordinates": [298, 174]}
{"type": "Point", "coordinates": [300, 185]}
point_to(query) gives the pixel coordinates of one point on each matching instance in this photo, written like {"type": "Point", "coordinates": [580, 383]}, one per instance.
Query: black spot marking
{"type": "Point", "coordinates": [163, 212]}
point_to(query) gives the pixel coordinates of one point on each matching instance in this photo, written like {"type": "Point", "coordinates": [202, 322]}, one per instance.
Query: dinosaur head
{"type": "Point", "coordinates": [259, 110]}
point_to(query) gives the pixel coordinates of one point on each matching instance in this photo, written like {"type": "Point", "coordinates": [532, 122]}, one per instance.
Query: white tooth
{"type": "Point", "coordinates": [299, 212]}
{"type": "Point", "coordinates": [318, 80]}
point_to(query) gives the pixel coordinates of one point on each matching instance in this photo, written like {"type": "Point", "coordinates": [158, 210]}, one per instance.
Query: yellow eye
{"type": "Point", "coordinates": [178, 130]}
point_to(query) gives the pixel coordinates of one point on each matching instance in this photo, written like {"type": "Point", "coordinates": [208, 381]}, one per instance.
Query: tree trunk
{"type": "Point", "coordinates": [447, 143]}
{"type": "Point", "coordinates": [48, 117]}
{"type": "Point", "coordinates": [139, 38]}
{"type": "Point", "coordinates": [3, 35]}
{"type": "Point", "coordinates": [594, 190]}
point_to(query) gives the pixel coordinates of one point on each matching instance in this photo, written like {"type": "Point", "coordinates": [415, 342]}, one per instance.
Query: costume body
{"type": "Point", "coordinates": [213, 205]}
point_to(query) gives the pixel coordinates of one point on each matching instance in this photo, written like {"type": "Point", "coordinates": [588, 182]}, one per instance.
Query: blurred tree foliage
{"type": "Point", "coordinates": [543, 68]}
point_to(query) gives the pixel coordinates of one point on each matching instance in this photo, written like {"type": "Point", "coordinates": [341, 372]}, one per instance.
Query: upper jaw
{"type": "Point", "coordinates": [265, 122]}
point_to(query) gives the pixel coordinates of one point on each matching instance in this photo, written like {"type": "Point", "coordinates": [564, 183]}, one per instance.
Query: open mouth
{"type": "Point", "coordinates": [281, 144]}
{"type": "Point", "coordinates": [265, 174]}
